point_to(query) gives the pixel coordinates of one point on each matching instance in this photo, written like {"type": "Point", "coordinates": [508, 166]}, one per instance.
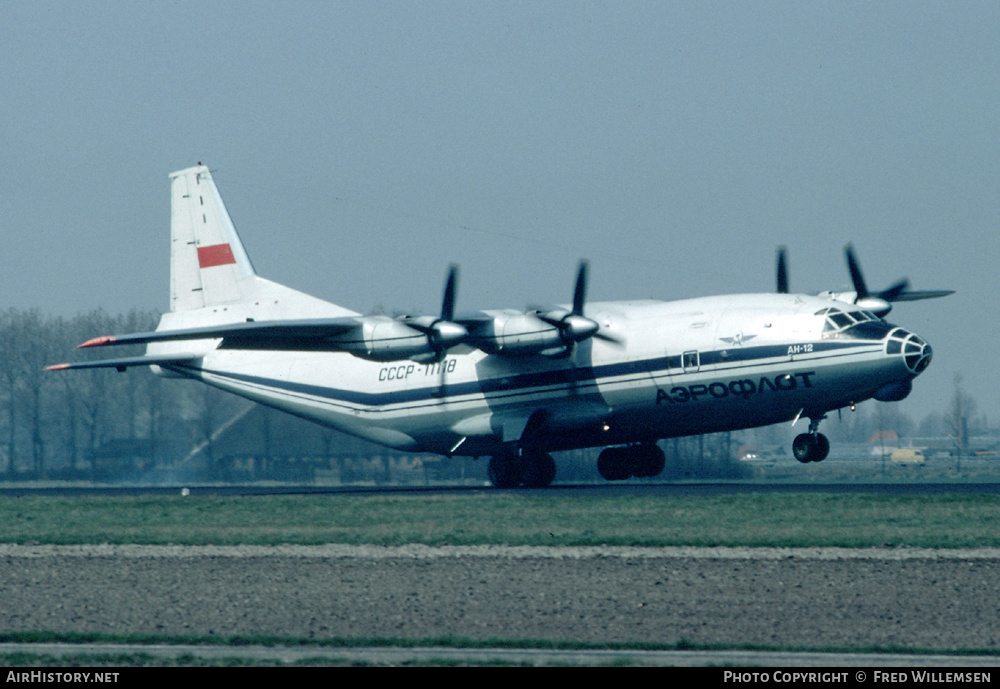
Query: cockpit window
{"type": "Point", "coordinates": [838, 320]}
{"type": "Point", "coordinates": [841, 320]}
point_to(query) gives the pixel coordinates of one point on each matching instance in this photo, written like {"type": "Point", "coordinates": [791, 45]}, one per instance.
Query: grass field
{"type": "Point", "coordinates": [788, 520]}
{"type": "Point", "coordinates": [779, 519]}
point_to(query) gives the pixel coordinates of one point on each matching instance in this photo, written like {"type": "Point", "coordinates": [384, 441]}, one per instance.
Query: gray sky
{"type": "Point", "coordinates": [361, 147]}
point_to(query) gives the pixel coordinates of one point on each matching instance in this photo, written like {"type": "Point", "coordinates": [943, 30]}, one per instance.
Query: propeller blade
{"type": "Point", "coordinates": [924, 294]}
{"type": "Point", "coordinates": [442, 381]}
{"type": "Point", "coordinates": [896, 291]}
{"type": "Point", "coordinates": [448, 305]}
{"type": "Point", "coordinates": [613, 339]}
{"type": "Point", "coordinates": [447, 314]}
{"type": "Point", "coordinates": [782, 271]}
{"type": "Point", "coordinates": [580, 292]}
{"type": "Point", "coordinates": [856, 277]}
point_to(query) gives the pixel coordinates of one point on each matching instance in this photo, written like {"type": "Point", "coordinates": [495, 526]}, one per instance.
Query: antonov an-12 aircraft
{"type": "Point", "coordinates": [513, 385]}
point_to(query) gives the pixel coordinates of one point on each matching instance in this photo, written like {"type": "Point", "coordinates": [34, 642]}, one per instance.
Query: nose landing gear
{"type": "Point", "coordinates": [812, 446]}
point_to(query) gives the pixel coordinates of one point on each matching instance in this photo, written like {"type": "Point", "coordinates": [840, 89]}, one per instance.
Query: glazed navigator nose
{"type": "Point", "coordinates": [915, 351]}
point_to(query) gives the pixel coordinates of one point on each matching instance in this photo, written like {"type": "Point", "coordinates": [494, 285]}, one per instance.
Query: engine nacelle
{"type": "Point", "coordinates": [421, 338]}
{"type": "Point", "coordinates": [517, 334]}
{"type": "Point", "coordinates": [385, 339]}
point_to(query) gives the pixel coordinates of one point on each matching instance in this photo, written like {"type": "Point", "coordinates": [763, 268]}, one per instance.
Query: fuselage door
{"type": "Point", "coordinates": [690, 361]}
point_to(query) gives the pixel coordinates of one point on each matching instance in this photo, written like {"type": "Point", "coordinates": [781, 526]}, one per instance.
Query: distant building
{"type": "Point", "coordinates": [884, 438]}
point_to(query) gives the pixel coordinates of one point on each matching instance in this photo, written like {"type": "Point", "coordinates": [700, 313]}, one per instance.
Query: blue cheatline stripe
{"type": "Point", "coordinates": [528, 383]}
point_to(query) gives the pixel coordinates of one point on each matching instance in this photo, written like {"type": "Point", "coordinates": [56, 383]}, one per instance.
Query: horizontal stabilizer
{"type": "Point", "coordinates": [128, 362]}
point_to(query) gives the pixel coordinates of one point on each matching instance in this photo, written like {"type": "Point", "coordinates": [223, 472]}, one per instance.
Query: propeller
{"type": "Point", "coordinates": [574, 326]}
{"type": "Point", "coordinates": [861, 289]}
{"type": "Point", "coordinates": [442, 333]}
{"type": "Point", "coordinates": [879, 303]}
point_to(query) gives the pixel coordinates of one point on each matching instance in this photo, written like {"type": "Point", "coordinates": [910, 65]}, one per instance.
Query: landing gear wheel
{"type": "Point", "coordinates": [613, 464]}
{"type": "Point", "coordinates": [822, 447]}
{"type": "Point", "coordinates": [810, 447]}
{"type": "Point", "coordinates": [539, 470]}
{"type": "Point", "coordinates": [504, 471]}
{"type": "Point", "coordinates": [648, 461]}
{"type": "Point", "coordinates": [802, 447]}
{"type": "Point", "coordinates": [641, 461]}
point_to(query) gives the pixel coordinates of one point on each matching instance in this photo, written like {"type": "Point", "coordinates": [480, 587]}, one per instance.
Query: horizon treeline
{"type": "Point", "coordinates": [54, 422]}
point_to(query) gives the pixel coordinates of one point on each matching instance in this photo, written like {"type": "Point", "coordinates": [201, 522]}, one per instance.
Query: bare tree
{"type": "Point", "coordinates": [963, 408]}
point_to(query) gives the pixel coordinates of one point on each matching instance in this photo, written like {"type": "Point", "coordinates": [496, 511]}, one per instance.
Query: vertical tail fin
{"type": "Point", "coordinates": [208, 264]}
{"type": "Point", "coordinates": [209, 267]}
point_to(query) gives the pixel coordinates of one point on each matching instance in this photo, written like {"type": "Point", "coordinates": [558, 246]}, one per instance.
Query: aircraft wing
{"type": "Point", "coordinates": [309, 334]}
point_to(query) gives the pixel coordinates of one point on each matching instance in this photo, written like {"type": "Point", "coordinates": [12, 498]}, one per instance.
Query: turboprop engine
{"type": "Point", "coordinates": [548, 333]}
{"type": "Point", "coordinates": [422, 338]}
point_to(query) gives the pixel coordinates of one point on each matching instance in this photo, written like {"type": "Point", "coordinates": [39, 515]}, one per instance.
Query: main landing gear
{"type": "Point", "coordinates": [641, 461]}
{"type": "Point", "coordinates": [812, 446]}
{"type": "Point", "coordinates": [530, 469]}
{"type": "Point", "coordinates": [538, 469]}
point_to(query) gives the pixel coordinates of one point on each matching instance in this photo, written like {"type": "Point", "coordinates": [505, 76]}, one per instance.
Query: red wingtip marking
{"type": "Point", "coordinates": [215, 255]}
{"type": "Point", "coordinates": [98, 341]}
{"type": "Point", "coordinates": [56, 367]}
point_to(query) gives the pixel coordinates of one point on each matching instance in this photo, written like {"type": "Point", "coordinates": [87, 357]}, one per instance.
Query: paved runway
{"type": "Point", "coordinates": [312, 655]}
{"type": "Point", "coordinates": [596, 489]}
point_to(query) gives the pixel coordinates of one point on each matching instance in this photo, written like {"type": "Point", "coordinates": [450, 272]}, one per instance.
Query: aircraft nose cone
{"type": "Point", "coordinates": [916, 353]}
{"type": "Point", "coordinates": [923, 360]}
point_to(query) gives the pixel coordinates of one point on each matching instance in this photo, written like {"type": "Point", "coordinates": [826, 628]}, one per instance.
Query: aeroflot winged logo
{"type": "Point", "coordinates": [738, 339]}
{"type": "Point", "coordinates": [517, 385]}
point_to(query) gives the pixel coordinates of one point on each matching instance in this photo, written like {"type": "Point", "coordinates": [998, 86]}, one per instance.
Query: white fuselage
{"type": "Point", "coordinates": [678, 368]}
